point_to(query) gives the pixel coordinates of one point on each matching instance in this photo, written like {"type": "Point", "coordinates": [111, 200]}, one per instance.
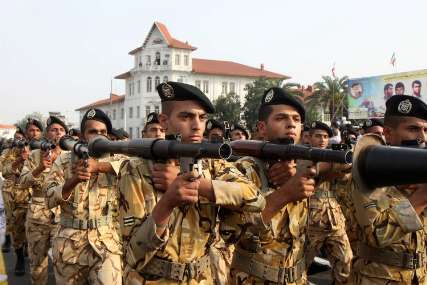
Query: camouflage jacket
{"type": "Point", "coordinates": [37, 211]}
{"type": "Point", "coordinates": [89, 200]}
{"type": "Point", "coordinates": [21, 195]}
{"type": "Point", "coordinates": [280, 243]}
{"type": "Point", "coordinates": [190, 232]}
{"type": "Point", "coordinates": [389, 222]}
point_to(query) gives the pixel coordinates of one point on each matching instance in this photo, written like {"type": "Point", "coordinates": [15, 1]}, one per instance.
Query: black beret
{"type": "Point", "coordinates": [123, 133]}
{"type": "Point", "coordinates": [178, 91]}
{"type": "Point", "coordinates": [34, 122]}
{"type": "Point", "coordinates": [19, 131]}
{"type": "Point", "coordinates": [317, 125]}
{"type": "Point", "coordinates": [278, 96]}
{"type": "Point", "coordinates": [240, 127]}
{"type": "Point", "coordinates": [371, 123]}
{"type": "Point", "coordinates": [214, 124]}
{"type": "Point", "coordinates": [306, 128]}
{"type": "Point", "coordinates": [55, 120]}
{"type": "Point", "coordinates": [406, 106]}
{"type": "Point", "coordinates": [97, 115]}
{"type": "Point", "coordinates": [120, 134]}
{"type": "Point", "coordinates": [152, 118]}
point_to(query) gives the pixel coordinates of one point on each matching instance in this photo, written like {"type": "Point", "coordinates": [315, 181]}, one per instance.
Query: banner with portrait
{"type": "Point", "coordinates": [367, 95]}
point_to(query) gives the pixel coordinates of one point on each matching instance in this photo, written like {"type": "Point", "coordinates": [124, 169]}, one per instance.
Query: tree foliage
{"type": "Point", "coordinates": [228, 108]}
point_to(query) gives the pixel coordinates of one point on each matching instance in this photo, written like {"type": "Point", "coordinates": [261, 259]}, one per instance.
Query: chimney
{"type": "Point", "coordinates": [262, 66]}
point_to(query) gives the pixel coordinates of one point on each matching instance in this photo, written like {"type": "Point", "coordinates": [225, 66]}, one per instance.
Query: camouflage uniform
{"type": "Point", "coordinates": [16, 199]}
{"type": "Point", "coordinates": [392, 249]}
{"type": "Point", "coordinates": [41, 225]}
{"type": "Point", "coordinates": [326, 228]}
{"type": "Point", "coordinates": [8, 155]}
{"type": "Point", "coordinates": [87, 246]}
{"type": "Point", "coordinates": [273, 253]}
{"type": "Point", "coordinates": [191, 230]}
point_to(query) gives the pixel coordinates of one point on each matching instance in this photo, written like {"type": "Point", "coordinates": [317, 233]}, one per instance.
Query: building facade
{"type": "Point", "coordinates": [163, 58]}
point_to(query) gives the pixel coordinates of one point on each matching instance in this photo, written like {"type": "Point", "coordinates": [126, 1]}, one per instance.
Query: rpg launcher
{"type": "Point", "coordinates": [42, 144]}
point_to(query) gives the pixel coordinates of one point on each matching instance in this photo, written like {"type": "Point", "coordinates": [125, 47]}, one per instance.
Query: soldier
{"type": "Point", "coordinates": [169, 220]}
{"type": "Point", "coordinates": [373, 126]}
{"type": "Point", "coordinates": [238, 132]}
{"type": "Point", "coordinates": [41, 225]}
{"type": "Point", "coordinates": [87, 246]}
{"type": "Point", "coordinates": [326, 222]}
{"type": "Point", "coordinates": [272, 250]}
{"type": "Point", "coordinates": [392, 219]}
{"type": "Point", "coordinates": [18, 197]}
{"type": "Point", "coordinates": [152, 128]}
{"type": "Point", "coordinates": [215, 130]}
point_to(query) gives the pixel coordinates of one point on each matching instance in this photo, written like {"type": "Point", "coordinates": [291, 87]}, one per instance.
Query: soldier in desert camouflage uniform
{"type": "Point", "coordinates": [19, 196]}
{"type": "Point", "coordinates": [272, 250]}
{"type": "Point", "coordinates": [393, 219]}
{"type": "Point", "coordinates": [169, 220]}
{"type": "Point", "coordinates": [87, 247]}
{"type": "Point", "coordinates": [326, 222]}
{"type": "Point", "coordinates": [41, 225]}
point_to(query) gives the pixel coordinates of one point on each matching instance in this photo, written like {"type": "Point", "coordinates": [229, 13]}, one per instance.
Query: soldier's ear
{"type": "Point", "coordinates": [262, 126]}
{"type": "Point", "coordinates": [163, 120]}
{"type": "Point", "coordinates": [388, 132]}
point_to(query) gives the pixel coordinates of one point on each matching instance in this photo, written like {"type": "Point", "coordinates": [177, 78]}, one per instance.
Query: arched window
{"type": "Point", "coordinates": [165, 79]}
{"type": "Point", "coordinates": [149, 84]}
{"type": "Point", "coordinates": [157, 81]}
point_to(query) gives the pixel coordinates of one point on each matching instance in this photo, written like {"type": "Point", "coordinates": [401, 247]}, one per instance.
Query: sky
{"type": "Point", "coordinates": [58, 55]}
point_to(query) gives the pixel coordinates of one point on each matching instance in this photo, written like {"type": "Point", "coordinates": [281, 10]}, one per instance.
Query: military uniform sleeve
{"type": "Point", "coordinates": [385, 216]}
{"type": "Point", "coordinates": [27, 179]}
{"type": "Point", "coordinates": [55, 181]}
{"type": "Point", "coordinates": [139, 229]}
{"type": "Point", "coordinates": [232, 189]}
{"type": "Point", "coordinates": [7, 169]}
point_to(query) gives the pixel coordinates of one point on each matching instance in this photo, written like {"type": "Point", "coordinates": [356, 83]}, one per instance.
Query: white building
{"type": "Point", "coordinates": [164, 58]}
{"type": "Point", "coordinates": [7, 131]}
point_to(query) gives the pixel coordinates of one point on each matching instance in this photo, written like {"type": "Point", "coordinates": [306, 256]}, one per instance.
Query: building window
{"type": "Point", "coordinates": [138, 113]}
{"type": "Point", "coordinates": [232, 87]}
{"type": "Point", "coordinates": [177, 59]}
{"type": "Point", "coordinates": [157, 109]}
{"type": "Point", "coordinates": [198, 84]}
{"type": "Point", "coordinates": [130, 112]}
{"type": "Point", "coordinates": [157, 60]}
{"type": "Point", "coordinates": [205, 86]}
{"type": "Point", "coordinates": [224, 88]}
{"type": "Point", "coordinates": [138, 84]}
{"type": "Point", "coordinates": [114, 114]}
{"type": "Point", "coordinates": [130, 89]}
{"type": "Point", "coordinates": [149, 84]}
{"type": "Point", "coordinates": [157, 81]}
{"type": "Point", "coordinates": [122, 113]}
{"type": "Point", "coordinates": [147, 110]}
{"type": "Point", "coordinates": [137, 134]}
{"type": "Point", "coordinates": [130, 133]}
{"type": "Point", "coordinates": [165, 79]}
{"type": "Point", "coordinates": [181, 79]}
{"type": "Point", "coordinates": [166, 60]}
{"type": "Point", "coordinates": [186, 60]}
{"type": "Point", "coordinates": [148, 60]}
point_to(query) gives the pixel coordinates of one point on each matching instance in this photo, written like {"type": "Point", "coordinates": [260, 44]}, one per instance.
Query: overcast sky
{"type": "Point", "coordinates": [60, 55]}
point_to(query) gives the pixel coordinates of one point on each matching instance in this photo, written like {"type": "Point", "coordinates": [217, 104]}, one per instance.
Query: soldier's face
{"type": "Point", "coordinates": [18, 136]}
{"type": "Point", "coordinates": [417, 88]}
{"type": "Point", "coordinates": [215, 135]}
{"type": "Point", "coordinates": [319, 138]}
{"type": "Point", "coordinates": [154, 131]}
{"type": "Point", "coordinates": [187, 118]}
{"type": "Point", "coordinates": [283, 122]}
{"type": "Point", "coordinates": [378, 130]}
{"type": "Point", "coordinates": [94, 128]}
{"type": "Point", "coordinates": [237, 135]}
{"type": "Point", "coordinates": [410, 128]}
{"type": "Point", "coordinates": [33, 132]}
{"type": "Point", "coordinates": [400, 90]}
{"type": "Point", "coordinates": [55, 132]}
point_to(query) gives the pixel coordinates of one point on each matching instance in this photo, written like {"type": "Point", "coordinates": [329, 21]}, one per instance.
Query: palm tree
{"type": "Point", "coordinates": [330, 95]}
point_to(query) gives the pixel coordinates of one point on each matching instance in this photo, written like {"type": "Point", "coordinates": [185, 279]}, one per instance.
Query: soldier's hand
{"type": "Point", "coordinates": [182, 191]}
{"type": "Point", "coordinates": [80, 171]}
{"type": "Point", "coordinates": [163, 175]}
{"type": "Point", "coordinates": [300, 186]}
{"type": "Point", "coordinates": [280, 172]}
{"type": "Point", "coordinates": [92, 165]}
{"type": "Point", "coordinates": [25, 153]}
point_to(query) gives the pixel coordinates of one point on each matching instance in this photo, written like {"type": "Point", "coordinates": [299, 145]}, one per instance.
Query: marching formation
{"type": "Point", "coordinates": [196, 201]}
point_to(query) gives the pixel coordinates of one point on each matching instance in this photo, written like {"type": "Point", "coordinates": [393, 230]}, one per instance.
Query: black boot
{"type": "Point", "coordinates": [20, 262]}
{"type": "Point", "coordinates": [6, 245]}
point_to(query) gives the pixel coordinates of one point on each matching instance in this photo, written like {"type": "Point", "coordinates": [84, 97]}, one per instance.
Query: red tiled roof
{"type": "Point", "coordinates": [5, 126]}
{"type": "Point", "coordinates": [221, 67]}
{"type": "Point", "coordinates": [171, 41]}
{"type": "Point", "coordinates": [123, 75]}
{"type": "Point", "coordinates": [114, 99]}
